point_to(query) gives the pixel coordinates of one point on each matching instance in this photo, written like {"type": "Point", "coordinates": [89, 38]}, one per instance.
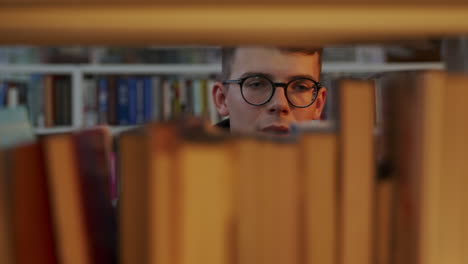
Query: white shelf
{"type": "Point", "coordinates": [152, 69]}
{"type": "Point", "coordinates": [114, 68]}
{"type": "Point", "coordinates": [352, 67]}
{"type": "Point", "coordinates": [331, 67]}
{"type": "Point", "coordinates": [115, 130]}
{"type": "Point", "coordinates": [38, 68]}
{"type": "Point", "coordinates": [54, 130]}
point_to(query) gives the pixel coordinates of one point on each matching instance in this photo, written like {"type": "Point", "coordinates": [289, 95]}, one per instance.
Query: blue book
{"type": "Point", "coordinates": [147, 99]}
{"type": "Point", "coordinates": [139, 100]}
{"type": "Point", "coordinates": [3, 93]}
{"type": "Point", "coordinates": [132, 101]}
{"type": "Point", "coordinates": [122, 102]}
{"type": "Point", "coordinates": [102, 100]}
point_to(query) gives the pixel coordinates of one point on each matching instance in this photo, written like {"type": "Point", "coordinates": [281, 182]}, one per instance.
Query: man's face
{"type": "Point", "coordinates": [276, 116]}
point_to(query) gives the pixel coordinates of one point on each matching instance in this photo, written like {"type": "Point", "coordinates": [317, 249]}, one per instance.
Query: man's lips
{"type": "Point", "coordinates": [277, 130]}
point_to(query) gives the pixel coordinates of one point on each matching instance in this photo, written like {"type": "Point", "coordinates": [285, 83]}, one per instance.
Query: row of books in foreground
{"type": "Point", "coordinates": [192, 195]}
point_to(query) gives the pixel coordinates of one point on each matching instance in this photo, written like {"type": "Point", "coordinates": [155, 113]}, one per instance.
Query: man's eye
{"type": "Point", "coordinates": [303, 88]}
{"type": "Point", "coordinates": [256, 84]}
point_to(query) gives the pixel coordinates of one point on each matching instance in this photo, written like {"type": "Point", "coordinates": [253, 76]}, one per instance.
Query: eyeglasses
{"type": "Point", "coordinates": [258, 90]}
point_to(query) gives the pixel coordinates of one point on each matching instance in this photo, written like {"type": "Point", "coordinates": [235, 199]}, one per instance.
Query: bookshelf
{"type": "Point", "coordinates": [301, 23]}
{"type": "Point", "coordinates": [78, 72]}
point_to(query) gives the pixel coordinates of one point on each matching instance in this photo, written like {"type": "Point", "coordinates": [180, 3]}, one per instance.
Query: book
{"type": "Point", "coordinates": [357, 165]}
{"type": "Point", "coordinates": [167, 99]}
{"type": "Point", "coordinates": [49, 101]}
{"type": "Point", "coordinates": [386, 177]}
{"type": "Point", "coordinates": [62, 100]}
{"type": "Point", "coordinates": [3, 93]}
{"type": "Point", "coordinates": [197, 98]}
{"type": "Point", "coordinates": [103, 101]}
{"type": "Point", "coordinates": [91, 101]}
{"type": "Point", "coordinates": [6, 236]}
{"type": "Point", "coordinates": [269, 199]}
{"type": "Point", "coordinates": [69, 217]}
{"type": "Point", "coordinates": [164, 198]}
{"type": "Point", "coordinates": [204, 190]}
{"type": "Point", "coordinates": [31, 213]}
{"type": "Point", "coordinates": [157, 96]}
{"type": "Point", "coordinates": [112, 97]}
{"type": "Point", "coordinates": [148, 103]}
{"type": "Point", "coordinates": [92, 151]}
{"type": "Point", "coordinates": [132, 103]}
{"type": "Point", "coordinates": [416, 142]}
{"type": "Point", "coordinates": [319, 158]}
{"type": "Point", "coordinates": [248, 242]}
{"type": "Point", "coordinates": [123, 100]}
{"type": "Point", "coordinates": [453, 188]}
{"type": "Point", "coordinates": [133, 201]}
{"type": "Point", "coordinates": [35, 100]}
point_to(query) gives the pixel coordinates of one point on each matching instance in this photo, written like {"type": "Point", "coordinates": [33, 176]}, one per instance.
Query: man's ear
{"type": "Point", "coordinates": [320, 103]}
{"type": "Point", "coordinates": [219, 94]}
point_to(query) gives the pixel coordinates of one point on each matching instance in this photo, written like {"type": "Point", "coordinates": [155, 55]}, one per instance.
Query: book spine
{"type": "Point", "coordinates": [112, 101]}
{"type": "Point", "coordinates": [3, 93]}
{"type": "Point", "coordinates": [189, 87]}
{"type": "Point", "coordinates": [175, 89]}
{"type": "Point", "coordinates": [13, 100]}
{"type": "Point", "coordinates": [66, 101]}
{"type": "Point", "coordinates": [123, 100]}
{"type": "Point", "coordinates": [90, 101]}
{"type": "Point", "coordinates": [204, 95]}
{"type": "Point", "coordinates": [167, 99]}
{"type": "Point", "coordinates": [197, 101]}
{"type": "Point", "coordinates": [57, 94]}
{"type": "Point", "coordinates": [35, 100]}
{"type": "Point", "coordinates": [182, 94]}
{"type": "Point", "coordinates": [92, 152]}
{"type": "Point", "coordinates": [102, 100]}
{"type": "Point", "coordinates": [140, 100]}
{"type": "Point", "coordinates": [132, 85]}
{"type": "Point", "coordinates": [157, 96]}
{"type": "Point", "coordinates": [147, 97]}
{"type": "Point", "coordinates": [22, 93]}
{"type": "Point", "coordinates": [48, 101]}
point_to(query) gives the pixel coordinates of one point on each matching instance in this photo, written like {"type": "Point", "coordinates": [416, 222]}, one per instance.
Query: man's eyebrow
{"type": "Point", "coordinates": [271, 77]}
{"type": "Point", "coordinates": [261, 74]}
{"type": "Point", "coordinates": [302, 76]}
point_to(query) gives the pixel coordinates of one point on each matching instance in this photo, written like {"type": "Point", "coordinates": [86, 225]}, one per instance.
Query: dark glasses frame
{"type": "Point", "coordinates": [275, 85]}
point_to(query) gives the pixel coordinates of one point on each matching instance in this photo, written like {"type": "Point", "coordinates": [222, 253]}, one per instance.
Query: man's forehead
{"type": "Point", "coordinates": [274, 61]}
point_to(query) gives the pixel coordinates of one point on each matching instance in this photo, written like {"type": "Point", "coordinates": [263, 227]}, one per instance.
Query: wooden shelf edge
{"type": "Point", "coordinates": [299, 25]}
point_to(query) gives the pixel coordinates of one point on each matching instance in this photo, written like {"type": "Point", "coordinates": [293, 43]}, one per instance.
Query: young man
{"type": "Point", "coordinates": [266, 89]}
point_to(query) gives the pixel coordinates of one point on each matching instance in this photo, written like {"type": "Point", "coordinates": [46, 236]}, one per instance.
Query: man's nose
{"type": "Point", "coordinates": [279, 103]}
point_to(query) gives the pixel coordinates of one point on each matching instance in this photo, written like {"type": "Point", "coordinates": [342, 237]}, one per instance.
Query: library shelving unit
{"type": "Point", "coordinates": [227, 22]}
{"type": "Point", "coordinates": [78, 71]}
{"type": "Point", "coordinates": [291, 23]}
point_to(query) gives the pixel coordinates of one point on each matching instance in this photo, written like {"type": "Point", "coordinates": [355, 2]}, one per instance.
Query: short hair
{"type": "Point", "coordinates": [227, 55]}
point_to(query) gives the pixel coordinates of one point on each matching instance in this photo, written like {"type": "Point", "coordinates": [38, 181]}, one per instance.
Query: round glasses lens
{"type": "Point", "coordinates": [301, 92]}
{"type": "Point", "coordinates": [257, 90]}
